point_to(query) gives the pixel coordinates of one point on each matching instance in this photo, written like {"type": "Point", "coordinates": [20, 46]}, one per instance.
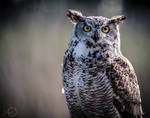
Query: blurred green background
{"type": "Point", "coordinates": [33, 37]}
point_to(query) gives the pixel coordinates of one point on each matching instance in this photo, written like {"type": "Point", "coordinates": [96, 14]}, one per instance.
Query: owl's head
{"type": "Point", "coordinates": [96, 29]}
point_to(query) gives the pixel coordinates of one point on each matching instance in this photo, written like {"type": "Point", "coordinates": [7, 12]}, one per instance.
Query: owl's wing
{"type": "Point", "coordinates": [125, 85]}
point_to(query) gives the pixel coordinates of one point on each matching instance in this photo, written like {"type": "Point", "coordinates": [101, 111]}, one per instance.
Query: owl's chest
{"type": "Point", "coordinates": [88, 58]}
{"type": "Point", "coordinates": [84, 70]}
{"type": "Point", "coordinates": [84, 62]}
{"type": "Point", "coordinates": [84, 77]}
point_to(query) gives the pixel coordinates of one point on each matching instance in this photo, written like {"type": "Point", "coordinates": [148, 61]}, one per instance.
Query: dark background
{"type": "Point", "coordinates": [33, 37]}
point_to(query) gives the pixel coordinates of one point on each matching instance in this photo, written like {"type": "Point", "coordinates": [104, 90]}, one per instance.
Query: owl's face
{"type": "Point", "coordinates": [96, 30]}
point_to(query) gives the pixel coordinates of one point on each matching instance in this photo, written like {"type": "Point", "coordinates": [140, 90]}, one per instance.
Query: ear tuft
{"type": "Point", "coordinates": [117, 19]}
{"type": "Point", "coordinates": [74, 16]}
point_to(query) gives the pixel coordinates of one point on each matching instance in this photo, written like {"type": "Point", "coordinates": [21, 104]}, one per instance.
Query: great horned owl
{"type": "Point", "coordinates": [99, 82]}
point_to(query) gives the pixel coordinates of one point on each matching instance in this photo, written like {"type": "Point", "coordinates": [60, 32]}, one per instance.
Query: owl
{"type": "Point", "coordinates": [99, 82]}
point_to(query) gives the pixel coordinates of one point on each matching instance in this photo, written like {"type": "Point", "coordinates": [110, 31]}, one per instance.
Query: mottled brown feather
{"type": "Point", "coordinates": [125, 85]}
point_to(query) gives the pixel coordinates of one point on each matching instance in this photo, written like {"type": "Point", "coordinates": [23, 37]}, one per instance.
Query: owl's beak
{"type": "Point", "coordinates": [96, 36]}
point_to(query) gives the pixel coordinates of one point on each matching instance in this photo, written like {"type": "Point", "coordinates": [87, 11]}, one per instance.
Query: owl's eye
{"type": "Point", "coordinates": [105, 29]}
{"type": "Point", "coordinates": [87, 28]}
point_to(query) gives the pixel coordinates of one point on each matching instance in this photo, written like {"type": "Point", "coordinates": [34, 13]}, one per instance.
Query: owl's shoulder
{"type": "Point", "coordinates": [125, 86]}
{"type": "Point", "coordinates": [124, 80]}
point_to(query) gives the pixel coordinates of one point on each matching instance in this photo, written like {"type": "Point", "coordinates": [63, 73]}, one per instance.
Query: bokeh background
{"type": "Point", "coordinates": [33, 37]}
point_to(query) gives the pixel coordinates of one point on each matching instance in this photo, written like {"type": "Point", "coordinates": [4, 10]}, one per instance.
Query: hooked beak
{"type": "Point", "coordinates": [96, 36]}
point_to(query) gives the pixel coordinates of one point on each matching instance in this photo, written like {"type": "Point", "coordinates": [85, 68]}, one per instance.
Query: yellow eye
{"type": "Point", "coordinates": [105, 29]}
{"type": "Point", "coordinates": [87, 28]}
